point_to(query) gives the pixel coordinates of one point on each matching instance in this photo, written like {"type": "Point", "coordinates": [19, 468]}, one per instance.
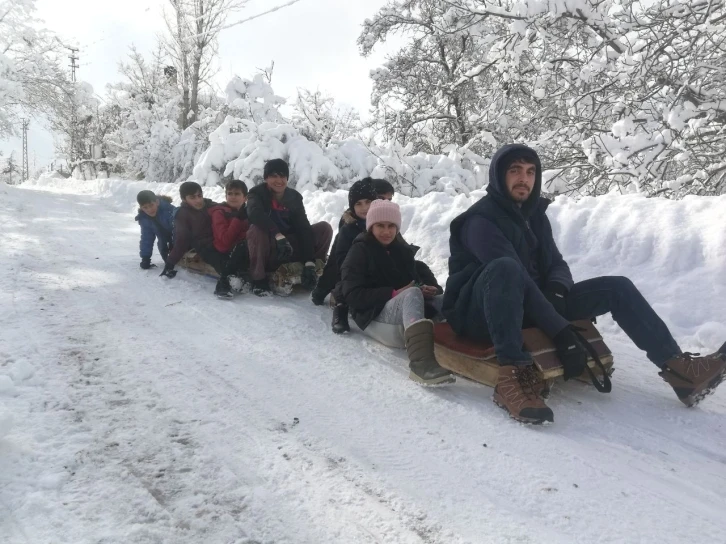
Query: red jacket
{"type": "Point", "coordinates": [229, 227]}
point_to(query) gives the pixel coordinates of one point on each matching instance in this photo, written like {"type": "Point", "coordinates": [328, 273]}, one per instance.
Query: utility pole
{"type": "Point", "coordinates": [73, 58]}
{"type": "Point", "coordinates": [73, 64]}
{"type": "Point", "coordinates": [26, 171]}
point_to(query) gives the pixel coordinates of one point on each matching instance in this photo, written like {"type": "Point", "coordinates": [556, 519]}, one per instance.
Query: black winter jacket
{"type": "Point", "coordinates": [259, 208]}
{"type": "Point", "coordinates": [371, 272]}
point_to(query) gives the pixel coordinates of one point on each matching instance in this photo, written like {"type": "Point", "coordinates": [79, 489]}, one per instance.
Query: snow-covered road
{"type": "Point", "coordinates": [147, 411]}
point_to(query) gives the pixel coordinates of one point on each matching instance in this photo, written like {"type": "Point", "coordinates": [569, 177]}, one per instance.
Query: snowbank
{"type": "Point", "coordinates": [675, 251]}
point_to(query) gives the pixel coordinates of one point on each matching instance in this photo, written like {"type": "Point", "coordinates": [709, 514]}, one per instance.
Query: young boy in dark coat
{"type": "Point", "coordinates": [386, 295]}
{"type": "Point", "coordinates": [156, 219]}
{"type": "Point", "coordinates": [280, 231]}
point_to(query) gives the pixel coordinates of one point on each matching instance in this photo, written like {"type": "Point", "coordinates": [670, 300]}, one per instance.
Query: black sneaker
{"type": "Point", "coordinates": [340, 319]}
{"type": "Point", "coordinates": [223, 290]}
{"type": "Point", "coordinates": [261, 288]}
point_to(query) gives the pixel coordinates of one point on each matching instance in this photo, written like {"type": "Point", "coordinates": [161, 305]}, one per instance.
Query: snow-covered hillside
{"type": "Point", "coordinates": [145, 410]}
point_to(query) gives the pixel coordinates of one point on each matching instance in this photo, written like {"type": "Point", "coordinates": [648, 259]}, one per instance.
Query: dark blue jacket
{"type": "Point", "coordinates": [496, 227]}
{"type": "Point", "coordinates": [159, 228]}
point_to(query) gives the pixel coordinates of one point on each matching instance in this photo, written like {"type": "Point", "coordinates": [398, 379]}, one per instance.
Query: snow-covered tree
{"type": "Point", "coordinates": [321, 120]}
{"type": "Point", "coordinates": [422, 94]}
{"type": "Point", "coordinates": [10, 170]}
{"type": "Point", "coordinates": [80, 121]}
{"type": "Point", "coordinates": [254, 132]}
{"type": "Point", "coordinates": [616, 94]}
{"type": "Point", "coordinates": [191, 42]}
{"type": "Point", "coordinates": [148, 104]}
{"type": "Point", "coordinates": [32, 78]}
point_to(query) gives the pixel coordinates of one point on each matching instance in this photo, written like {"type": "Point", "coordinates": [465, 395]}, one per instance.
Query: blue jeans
{"type": "Point", "coordinates": [505, 297]}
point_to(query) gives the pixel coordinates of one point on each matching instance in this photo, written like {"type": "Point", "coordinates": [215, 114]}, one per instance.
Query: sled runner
{"type": "Point", "coordinates": [477, 360]}
{"type": "Point", "coordinates": [282, 281]}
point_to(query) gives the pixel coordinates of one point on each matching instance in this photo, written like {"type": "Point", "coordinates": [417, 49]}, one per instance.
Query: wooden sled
{"type": "Point", "coordinates": [282, 280]}
{"type": "Point", "coordinates": [477, 360]}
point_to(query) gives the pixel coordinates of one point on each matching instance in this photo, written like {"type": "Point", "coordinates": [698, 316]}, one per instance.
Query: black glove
{"type": "Point", "coordinates": [146, 263]}
{"type": "Point", "coordinates": [556, 293]}
{"type": "Point", "coordinates": [168, 271]}
{"type": "Point", "coordinates": [284, 250]}
{"type": "Point", "coordinates": [571, 352]}
{"type": "Point", "coordinates": [309, 278]}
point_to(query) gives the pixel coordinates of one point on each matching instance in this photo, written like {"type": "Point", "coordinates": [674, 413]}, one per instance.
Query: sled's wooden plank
{"type": "Point", "coordinates": [285, 276]}
{"type": "Point", "coordinates": [477, 360]}
{"type": "Point", "coordinates": [480, 370]}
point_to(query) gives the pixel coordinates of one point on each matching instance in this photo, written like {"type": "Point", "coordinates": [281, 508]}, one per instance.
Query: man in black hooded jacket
{"type": "Point", "coordinates": [505, 272]}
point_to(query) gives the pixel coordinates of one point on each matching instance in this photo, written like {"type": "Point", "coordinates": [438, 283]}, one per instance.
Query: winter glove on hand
{"type": "Point", "coordinates": [284, 250]}
{"type": "Point", "coordinates": [309, 279]}
{"type": "Point", "coordinates": [556, 293]}
{"type": "Point", "coordinates": [571, 352]}
{"type": "Point", "coordinates": [146, 263]}
{"type": "Point", "coordinates": [168, 271]}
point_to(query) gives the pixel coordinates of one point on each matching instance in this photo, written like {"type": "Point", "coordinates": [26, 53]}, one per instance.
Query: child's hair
{"type": "Point", "coordinates": [145, 197]}
{"type": "Point", "coordinates": [236, 184]}
{"type": "Point", "coordinates": [382, 187]}
{"type": "Point", "coordinates": [189, 188]}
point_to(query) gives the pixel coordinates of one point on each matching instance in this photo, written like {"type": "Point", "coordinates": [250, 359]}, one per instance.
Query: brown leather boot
{"type": "Point", "coordinates": [518, 392]}
{"type": "Point", "coordinates": [693, 378]}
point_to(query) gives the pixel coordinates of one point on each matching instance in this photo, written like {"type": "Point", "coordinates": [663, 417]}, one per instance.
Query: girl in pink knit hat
{"type": "Point", "coordinates": [388, 295]}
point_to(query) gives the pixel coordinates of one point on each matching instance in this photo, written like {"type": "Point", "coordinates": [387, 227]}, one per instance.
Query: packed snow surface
{"type": "Point", "coordinates": [136, 409]}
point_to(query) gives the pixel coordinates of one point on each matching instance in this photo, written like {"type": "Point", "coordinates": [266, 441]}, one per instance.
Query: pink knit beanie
{"type": "Point", "coordinates": [383, 211]}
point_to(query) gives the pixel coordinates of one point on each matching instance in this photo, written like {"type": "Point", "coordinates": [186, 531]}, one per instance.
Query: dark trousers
{"type": "Point", "coordinates": [263, 249]}
{"type": "Point", "coordinates": [330, 275]}
{"type": "Point", "coordinates": [505, 297]}
{"type": "Point", "coordinates": [234, 263]}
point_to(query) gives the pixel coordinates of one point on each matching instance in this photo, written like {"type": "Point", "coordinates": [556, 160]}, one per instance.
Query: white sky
{"type": "Point", "coordinates": [313, 44]}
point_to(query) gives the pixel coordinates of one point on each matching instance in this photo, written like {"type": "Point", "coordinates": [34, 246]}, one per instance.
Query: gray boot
{"type": "Point", "coordinates": [419, 337]}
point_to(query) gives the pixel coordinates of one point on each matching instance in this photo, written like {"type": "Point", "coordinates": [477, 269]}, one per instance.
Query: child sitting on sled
{"type": "Point", "coordinates": [229, 229]}
{"type": "Point", "coordinates": [386, 295]}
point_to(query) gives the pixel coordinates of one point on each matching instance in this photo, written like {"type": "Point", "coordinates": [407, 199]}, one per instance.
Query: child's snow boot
{"type": "Point", "coordinates": [340, 319]}
{"type": "Point", "coordinates": [223, 290]}
{"type": "Point", "coordinates": [261, 288]}
{"type": "Point", "coordinates": [518, 392]}
{"type": "Point", "coordinates": [692, 377]}
{"type": "Point", "coordinates": [425, 369]}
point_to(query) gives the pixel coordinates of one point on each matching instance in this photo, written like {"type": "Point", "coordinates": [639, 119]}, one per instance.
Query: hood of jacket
{"type": "Point", "coordinates": [497, 188]}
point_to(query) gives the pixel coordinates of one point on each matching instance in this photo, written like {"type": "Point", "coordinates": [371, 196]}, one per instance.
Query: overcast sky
{"type": "Point", "coordinates": [312, 42]}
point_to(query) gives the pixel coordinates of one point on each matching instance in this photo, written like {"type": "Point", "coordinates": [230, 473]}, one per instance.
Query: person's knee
{"type": "Point", "coordinates": [413, 293]}
{"type": "Point", "coordinates": [257, 238]}
{"type": "Point", "coordinates": [255, 232]}
{"type": "Point", "coordinates": [323, 229]}
{"type": "Point", "coordinates": [504, 270]}
{"type": "Point", "coordinates": [622, 284]}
